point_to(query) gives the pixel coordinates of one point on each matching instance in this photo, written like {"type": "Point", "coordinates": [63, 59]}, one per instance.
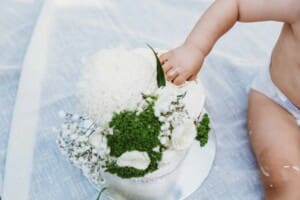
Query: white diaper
{"type": "Point", "coordinates": [264, 84]}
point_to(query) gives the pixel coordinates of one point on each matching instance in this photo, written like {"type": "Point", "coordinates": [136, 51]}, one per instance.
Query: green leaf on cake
{"type": "Point", "coordinates": [160, 77]}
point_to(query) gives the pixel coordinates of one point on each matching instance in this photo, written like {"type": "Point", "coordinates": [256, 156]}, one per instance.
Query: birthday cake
{"type": "Point", "coordinates": [135, 127]}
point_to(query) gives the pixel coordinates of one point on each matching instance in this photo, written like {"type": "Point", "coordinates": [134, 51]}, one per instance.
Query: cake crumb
{"type": "Point", "coordinates": [264, 171]}
{"type": "Point", "coordinates": [296, 168]}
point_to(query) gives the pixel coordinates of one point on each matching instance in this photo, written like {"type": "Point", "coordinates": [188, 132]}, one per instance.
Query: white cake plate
{"type": "Point", "coordinates": [196, 168]}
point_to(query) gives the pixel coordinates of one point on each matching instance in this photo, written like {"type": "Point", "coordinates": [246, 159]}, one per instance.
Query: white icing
{"type": "Point", "coordinates": [137, 159]}
{"type": "Point", "coordinates": [168, 156]}
{"type": "Point", "coordinates": [194, 99]}
{"type": "Point", "coordinates": [183, 135]}
{"type": "Point", "coordinates": [114, 80]}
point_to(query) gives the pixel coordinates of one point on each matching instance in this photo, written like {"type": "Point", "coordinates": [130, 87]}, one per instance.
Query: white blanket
{"type": "Point", "coordinates": [17, 20]}
{"type": "Point", "coordinates": [68, 32]}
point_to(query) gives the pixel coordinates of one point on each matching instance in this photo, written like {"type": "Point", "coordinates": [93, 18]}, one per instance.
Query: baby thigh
{"type": "Point", "coordinates": [275, 139]}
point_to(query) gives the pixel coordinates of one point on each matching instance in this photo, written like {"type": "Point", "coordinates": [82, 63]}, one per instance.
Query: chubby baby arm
{"type": "Point", "coordinates": [184, 62]}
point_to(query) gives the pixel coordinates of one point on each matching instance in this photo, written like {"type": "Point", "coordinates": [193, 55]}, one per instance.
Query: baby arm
{"type": "Point", "coordinates": [184, 62]}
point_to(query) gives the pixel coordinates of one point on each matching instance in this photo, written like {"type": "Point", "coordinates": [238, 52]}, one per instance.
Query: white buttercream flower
{"type": "Point", "coordinates": [166, 95]}
{"type": "Point", "coordinates": [194, 98]}
{"type": "Point", "coordinates": [136, 159]}
{"type": "Point", "coordinates": [184, 135]}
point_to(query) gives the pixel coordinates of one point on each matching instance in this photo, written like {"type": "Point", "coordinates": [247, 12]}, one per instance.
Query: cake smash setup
{"type": "Point", "coordinates": [140, 136]}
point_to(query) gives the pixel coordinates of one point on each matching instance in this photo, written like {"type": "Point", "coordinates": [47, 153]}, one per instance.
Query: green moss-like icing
{"type": "Point", "coordinates": [203, 130]}
{"type": "Point", "coordinates": [133, 131]}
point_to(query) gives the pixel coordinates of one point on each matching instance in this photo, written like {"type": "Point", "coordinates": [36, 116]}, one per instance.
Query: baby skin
{"type": "Point", "coordinates": [273, 131]}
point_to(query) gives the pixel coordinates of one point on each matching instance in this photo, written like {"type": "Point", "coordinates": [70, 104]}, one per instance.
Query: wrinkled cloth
{"type": "Point", "coordinates": [68, 32]}
{"type": "Point", "coordinates": [17, 20]}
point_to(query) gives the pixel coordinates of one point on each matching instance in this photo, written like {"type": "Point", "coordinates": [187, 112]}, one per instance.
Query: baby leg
{"type": "Point", "coordinates": [275, 138]}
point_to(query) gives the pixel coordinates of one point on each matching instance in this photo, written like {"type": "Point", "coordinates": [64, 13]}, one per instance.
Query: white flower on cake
{"type": "Point", "coordinates": [184, 135]}
{"type": "Point", "coordinates": [194, 99]}
{"type": "Point", "coordinates": [136, 159]}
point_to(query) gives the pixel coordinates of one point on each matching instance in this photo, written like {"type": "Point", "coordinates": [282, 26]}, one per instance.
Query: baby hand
{"type": "Point", "coordinates": [182, 63]}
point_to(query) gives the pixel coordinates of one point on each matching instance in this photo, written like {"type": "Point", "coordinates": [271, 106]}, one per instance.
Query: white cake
{"type": "Point", "coordinates": [113, 81]}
